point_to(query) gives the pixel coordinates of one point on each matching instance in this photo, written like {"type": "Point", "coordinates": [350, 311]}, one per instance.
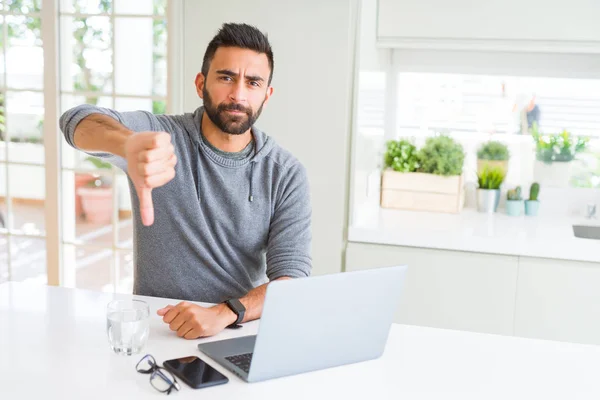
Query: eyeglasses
{"type": "Point", "coordinates": [160, 379]}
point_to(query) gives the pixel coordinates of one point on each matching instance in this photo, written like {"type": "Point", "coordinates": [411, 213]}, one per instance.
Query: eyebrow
{"type": "Point", "coordinates": [235, 75]}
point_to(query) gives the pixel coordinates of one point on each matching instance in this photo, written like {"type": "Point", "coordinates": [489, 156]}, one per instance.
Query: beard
{"type": "Point", "coordinates": [231, 124]}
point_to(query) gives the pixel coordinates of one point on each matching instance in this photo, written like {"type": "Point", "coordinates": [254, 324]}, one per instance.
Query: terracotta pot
{"type": "Point", "coordinates": [80, 181]}
{"type": "Point", "coordinates": [97, 204]}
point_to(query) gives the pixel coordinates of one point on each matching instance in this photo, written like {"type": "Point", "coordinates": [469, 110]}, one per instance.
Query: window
{"type": "Point", "coordinates": [474, 107]}
{"type": "Point", "coordinates": [113, 54]}
{"type": "Point", "coordinates": [22, 173]}
{"type": "Point", "coordinates": [493, 104]}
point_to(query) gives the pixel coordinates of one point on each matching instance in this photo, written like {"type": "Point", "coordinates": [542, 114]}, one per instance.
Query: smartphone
{"type": "Point", "coordinates": [194, 372]}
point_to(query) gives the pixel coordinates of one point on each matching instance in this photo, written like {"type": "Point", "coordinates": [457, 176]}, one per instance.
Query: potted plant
{"type": "Point", "coordinates": [493, 154]}
{"type": "Point", "coordinates": [532, 205]}
{"type": "Point", "coordinates": [554, 153]}
{"type": "Point", "coordinates": [96, 195]}
{"type": "Point", "coordinates": [488, 193]}
{"type": "Point", "coordinates": [514, 202]}
{"type": "Point", "coordinates": [401, 156]}
{"type": "Point", "coordinates": [429, 179]}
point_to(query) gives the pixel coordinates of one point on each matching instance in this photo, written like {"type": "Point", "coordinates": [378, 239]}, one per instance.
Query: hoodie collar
{"type": "Point", "coordinates": [262, 147]}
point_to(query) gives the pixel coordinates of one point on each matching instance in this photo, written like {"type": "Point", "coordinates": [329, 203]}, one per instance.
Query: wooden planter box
{"type": "Point", "coordinates": [422, 192]}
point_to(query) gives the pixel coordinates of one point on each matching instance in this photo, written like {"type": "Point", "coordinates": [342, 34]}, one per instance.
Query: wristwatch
{"type": "Point", "coordinates": [238, 308]}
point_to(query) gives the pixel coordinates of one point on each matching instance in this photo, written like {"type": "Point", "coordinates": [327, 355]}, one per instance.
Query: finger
{"type": "Point", "coordinates": [184, 329]}
{"type": "Point", "coordinates": [178, 322]}
{"type": "Point", "coordinates": [160, 139]}
{"type": "Point", "coordinates": [158, 180]}
{"type": "Point", "coordinates": [146, 206]}
{"type": "Point", "coordinates": [172, 161]}
{"type": "Point", "coordinates": [170, 315]}
{"type": "Point", "coordinates": [156, 154]}
{"type": "Point", "coordinates": [193, 334]}
{"type": "Point", "coordinates": [155, 167]}
{"type": "Point", "coordinates": [164, 310]}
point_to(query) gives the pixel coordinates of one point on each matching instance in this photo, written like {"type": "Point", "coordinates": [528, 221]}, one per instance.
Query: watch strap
{"type": "Point", "coordinates": [238, 308]}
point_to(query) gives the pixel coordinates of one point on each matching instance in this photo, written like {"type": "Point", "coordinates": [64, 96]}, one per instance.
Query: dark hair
{"type": "Point", "coordinates": [243, 36]}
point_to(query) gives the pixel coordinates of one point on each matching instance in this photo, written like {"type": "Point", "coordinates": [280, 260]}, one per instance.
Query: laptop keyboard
{"type": "Point", "coordinates": [242, 361]}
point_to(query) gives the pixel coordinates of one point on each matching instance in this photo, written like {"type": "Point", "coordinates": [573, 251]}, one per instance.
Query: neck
{"type": "Point", "coordinates": [222, 140]}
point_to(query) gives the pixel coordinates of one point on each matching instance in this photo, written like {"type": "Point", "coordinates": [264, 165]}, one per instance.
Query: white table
{"type": "Point", "coordinates": [53, 345]}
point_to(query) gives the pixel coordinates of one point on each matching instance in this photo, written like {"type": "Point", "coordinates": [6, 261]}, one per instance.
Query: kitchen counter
{"type": "Point", "coordinates": [544, 236]}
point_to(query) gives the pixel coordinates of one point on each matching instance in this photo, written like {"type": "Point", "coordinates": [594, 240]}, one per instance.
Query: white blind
{"type": "Point", "coordinates": [491, 104]}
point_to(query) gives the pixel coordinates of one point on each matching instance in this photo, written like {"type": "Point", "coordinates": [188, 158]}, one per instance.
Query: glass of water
{"type": "Point", "coordinates": [127, 325]}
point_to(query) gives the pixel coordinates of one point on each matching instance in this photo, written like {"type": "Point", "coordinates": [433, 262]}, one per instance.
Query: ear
{"type": "Point", "coordinates": [268, 95]}
{"type": "Point", "coordinates": [200, 81]}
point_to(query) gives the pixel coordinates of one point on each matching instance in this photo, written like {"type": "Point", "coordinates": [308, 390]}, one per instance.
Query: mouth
{"type": "Point", "coordinates": [235, 112]}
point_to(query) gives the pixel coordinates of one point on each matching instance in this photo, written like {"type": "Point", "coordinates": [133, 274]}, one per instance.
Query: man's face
{"type": "Point", "coordinates": [236, 88]}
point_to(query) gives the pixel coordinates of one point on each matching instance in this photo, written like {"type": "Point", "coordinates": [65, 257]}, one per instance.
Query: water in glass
{"type": "Point", "coordinates": [127, 326]}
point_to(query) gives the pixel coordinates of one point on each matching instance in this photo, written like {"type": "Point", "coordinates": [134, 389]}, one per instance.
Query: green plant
{"type": "Point", "coordinates": [98, 163]}
{"type": "Point", "coordinates": [514, 194]}
{"type": "Point", "coordinates": [493, 150]}
{"type": "Point", "coordinates": [441, 155]}
{"type": "Point", "coordinates": [534, 191]}
{"type": "Point", "coordinates": [490, 178]}
{"type": "Point", "coordinates": [159, 107]}
{"type": "Point", "coordinates": [401, 156]}
{"type": "Point", "coordinates": [559, 147]}
{"type": "Point", "coordinates": [26, 139]}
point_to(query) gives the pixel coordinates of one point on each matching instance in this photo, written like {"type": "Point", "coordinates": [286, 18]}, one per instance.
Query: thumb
{"type": "Point", "coordinates": [146, 206]}
{"type": "Point", "coordinates": [164, 310]}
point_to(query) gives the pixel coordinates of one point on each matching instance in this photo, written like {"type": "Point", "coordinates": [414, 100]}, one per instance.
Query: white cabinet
{"type": "Point", "coordinates": [447, 289]}
{"type": "Point", "coordinates": [510, 295]}
{"type": "Point", "coordinates": [492, 22]}
{"type": "Point", "coordinates": [558, 300]}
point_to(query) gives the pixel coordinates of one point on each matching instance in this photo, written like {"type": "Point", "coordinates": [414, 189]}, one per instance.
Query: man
{"type": "Point", "coordinates": [219, 208]}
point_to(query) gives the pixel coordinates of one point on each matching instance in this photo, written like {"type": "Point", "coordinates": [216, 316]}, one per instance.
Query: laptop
{"type": "Point", "coordinates": [315, 323]}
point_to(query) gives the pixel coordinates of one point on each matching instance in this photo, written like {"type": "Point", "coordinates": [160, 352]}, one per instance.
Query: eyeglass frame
{"type": "Point", "coordinates": [156, 370]}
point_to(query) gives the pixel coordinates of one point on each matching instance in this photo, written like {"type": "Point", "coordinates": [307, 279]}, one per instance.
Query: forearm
{"type": "Point", "coordinates": [99, 132]}
{"type": "Point", "coordinates": [253, 302]}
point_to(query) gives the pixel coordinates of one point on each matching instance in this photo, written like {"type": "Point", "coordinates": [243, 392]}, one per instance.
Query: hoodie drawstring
{"type": "Point", "coordinates": [198, 172]}
{"type": "Point", "coordinates": [251, 198]}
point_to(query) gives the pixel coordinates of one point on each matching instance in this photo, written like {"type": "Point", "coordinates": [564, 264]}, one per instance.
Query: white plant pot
{"type": "Point", "coordinates": [487, 200]}
{"type": "Point", "coordinates": [555, 174]}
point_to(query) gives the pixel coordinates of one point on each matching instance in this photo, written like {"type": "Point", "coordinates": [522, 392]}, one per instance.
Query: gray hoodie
{"type": "Point", "coordinates": [222, 226]}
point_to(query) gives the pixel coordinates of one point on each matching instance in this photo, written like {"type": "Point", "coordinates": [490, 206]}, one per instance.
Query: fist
{"type": "Point", "coordinates": [192, 321]}
{"type": "Point", "coordinates": [150, 164]}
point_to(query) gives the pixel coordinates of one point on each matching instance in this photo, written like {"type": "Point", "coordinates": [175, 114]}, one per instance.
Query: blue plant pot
{"type": "Point", "coordinates": [514, 208]}
{"type": "Point", "coordinates": [532, 207]}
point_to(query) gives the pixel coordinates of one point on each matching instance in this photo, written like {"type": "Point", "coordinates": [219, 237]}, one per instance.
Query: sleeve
{"type": "Point", "coordinates": [289, 241]}
{"type": "Point", "coordinates": [137, 121]}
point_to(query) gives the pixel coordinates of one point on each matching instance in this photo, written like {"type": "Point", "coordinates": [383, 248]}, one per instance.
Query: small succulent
{"type": "Point", "coordinates": [534, 191]}
{"type": "Point", "coordinates": [514, 194]}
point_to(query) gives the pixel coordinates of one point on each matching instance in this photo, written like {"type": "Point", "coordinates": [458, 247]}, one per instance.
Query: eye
{"type": "Point", "coordinates": [226, 78]}
{"type": "Point", "coordinates": [255, 84]}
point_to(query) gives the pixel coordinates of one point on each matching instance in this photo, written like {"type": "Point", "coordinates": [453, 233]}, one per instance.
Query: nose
{"type": "Point", "coordinates": [238, 92]}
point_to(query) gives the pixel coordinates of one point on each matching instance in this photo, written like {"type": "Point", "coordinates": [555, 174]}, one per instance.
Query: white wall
{"type": "Point", "coordinates": [373, 66]}
{"type": "Point", "coordinates": [309, 114]}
